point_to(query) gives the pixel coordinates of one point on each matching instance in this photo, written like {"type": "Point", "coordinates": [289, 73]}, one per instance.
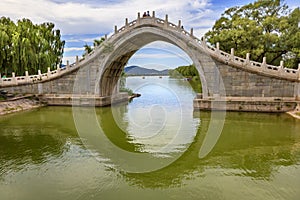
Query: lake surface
{"type": "Point", "coordinates": [155, 147]}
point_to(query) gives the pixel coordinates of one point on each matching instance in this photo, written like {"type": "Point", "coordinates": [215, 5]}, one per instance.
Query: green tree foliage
{"type": "Point", "coordinates": [29, 47]}
{"type": "Point", "coordinates": [122, 84]}
{"type": "Point", "coordinates": [88, 49]}
{"type": "Point", "coordinates": [191, 73]}
{"type": "Point", "coordinates": [98, 42]}
{"type": "Point", "coordinates": [265, 28]}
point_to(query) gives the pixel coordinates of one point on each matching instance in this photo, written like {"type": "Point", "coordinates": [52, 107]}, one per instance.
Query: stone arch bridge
{"type": "Point", "coordinates": [239, 82]}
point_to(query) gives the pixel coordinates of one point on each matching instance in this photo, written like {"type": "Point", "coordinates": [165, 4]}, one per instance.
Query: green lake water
{"type": "Point", "coordinates": [149, 149]}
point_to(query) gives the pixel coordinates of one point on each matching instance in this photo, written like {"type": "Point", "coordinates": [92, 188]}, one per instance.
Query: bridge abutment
{"type": "Point", "coordinates": [246, 104]}
{"type": "Point", "coordinates": [84, 100]}
{"type": "Point", "coordinates": [297, 91]}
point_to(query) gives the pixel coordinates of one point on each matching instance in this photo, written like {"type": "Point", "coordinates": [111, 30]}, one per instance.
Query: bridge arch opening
{"type": "Point", "coordinates": [159, 55]}
{"type": "Point", "coordinates": [162, 57]}
{"type": "Point", "coordinates": [129, 43]}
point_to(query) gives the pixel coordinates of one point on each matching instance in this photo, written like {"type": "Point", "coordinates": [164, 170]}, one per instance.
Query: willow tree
{"type": "Point", "coordinates": [29, 47]}
{"type": "Point", "coordinates": [7, 28]}
{"type": "Point", "coordinates": [265, 28]}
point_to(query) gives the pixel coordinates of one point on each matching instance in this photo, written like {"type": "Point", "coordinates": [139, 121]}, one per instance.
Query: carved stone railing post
{"type": "Point", "coordinates": [48, 72]}
{"type": "Point", "coordinates": [298, 71]}
{"type": "Point", "coordinates": [203, 42]}
{"type": "Point", "coordinates": [77, 60]}
{"type": "Point", "coordinates": [218, 48]}
{"type": "Point", "coordinates": [179, 24]}
{"type": "Point", "coordinates": [166, 22]}
{"type": "Point", "coordinates": [39, 74]}
{"type": "Point", "coordinates": [126, 22]}
{"type": "Point", "coordinates": [26, 76]}
{"type": "Point", "coordinates": [264, 63]}
{"type": "Point", "coordinates": [298, 93]}
{"type": "Point", "coordinates": [232, 54]}
{"type": "Point", "coordinates": [281, 66]}
{"type": "Point", "coordinates": [86, 53]}
{"type": "Point", "coordinates": [58, 68]}
{"type": "Point", "coordinates": [138, 21]}
{"type": "Point", "coordinates": [68, 65]}
{"type": "Point", "coordinates": [116, 29]}
{"type": "Point", "coordinates": [14, 80]}
{"type": "Point", "coordinates": [153, 18]}
{"type": "Point", "coordinates": [248, 58]}
{"type": "Point", "coordinates": [192, 32]}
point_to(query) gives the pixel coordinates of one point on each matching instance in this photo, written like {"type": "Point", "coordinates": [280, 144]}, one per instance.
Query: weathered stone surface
{"type": "Point", "coordinates": [245, 105]}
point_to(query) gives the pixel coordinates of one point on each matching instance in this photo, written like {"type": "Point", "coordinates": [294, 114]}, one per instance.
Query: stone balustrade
{"type": "Point", "coordinates": [230, 59]}
{"type": "Point", "coordinates": [256, 67]}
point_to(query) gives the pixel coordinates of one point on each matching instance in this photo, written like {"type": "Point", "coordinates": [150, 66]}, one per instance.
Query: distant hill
{"type": "Point", "coordinates": [140, 71]}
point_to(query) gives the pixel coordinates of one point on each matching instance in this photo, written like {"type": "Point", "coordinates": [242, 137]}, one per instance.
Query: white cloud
{"type": "Point", "coordinates": [82, 40]}
{"type": "Point", "coordinates": [162, 55]}
{"type": "Point", "coordinates": [71, 59]}
{"type": "Point", "coordinates": [161, 50]}
{"type": "Point", "coordinates": [161, 45]}
{"type": "Point", "coordinates": [153, 56]}
{"type": "Point", "coordinates": [66, 49]}
{"type": "Point", "coordinates": [157, 66]}
{"type": "Point", "coordinates": [72, 17]}
{"type": "Point", "coordinates": [81, 18]}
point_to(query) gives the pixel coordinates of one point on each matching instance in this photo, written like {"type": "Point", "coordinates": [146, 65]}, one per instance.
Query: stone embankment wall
{"type": "Point", "coordinates": [241, 83]}
{"type": "Point", "coordinates": [19, 104]}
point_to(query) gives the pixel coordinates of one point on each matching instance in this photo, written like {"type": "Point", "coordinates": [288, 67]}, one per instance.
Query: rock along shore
{"type": "Point", "coordinates": [19, 104]}
{"type": "Point", "coordinates": [295, 113]}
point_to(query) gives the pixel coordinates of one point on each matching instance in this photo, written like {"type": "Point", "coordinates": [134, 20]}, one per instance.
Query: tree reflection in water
{"type": "Point", "coordinates": [251, 145]}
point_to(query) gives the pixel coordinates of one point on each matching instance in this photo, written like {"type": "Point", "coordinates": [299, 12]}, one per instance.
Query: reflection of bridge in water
{"type": "Point", "coordinates": [240, 83]}
{"type": "Point", "coordinates": [255, 154]}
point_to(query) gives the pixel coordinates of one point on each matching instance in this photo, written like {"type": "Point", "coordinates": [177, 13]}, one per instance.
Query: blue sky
{"type": "Point", "coordinates": [82, 21]}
